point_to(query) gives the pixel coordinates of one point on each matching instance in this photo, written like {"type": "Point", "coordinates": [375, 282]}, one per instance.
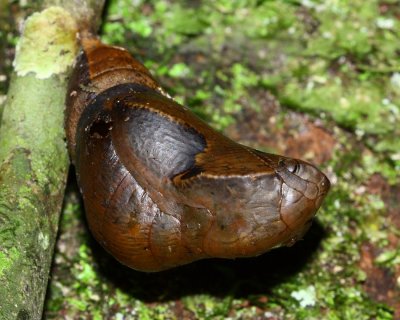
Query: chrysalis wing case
{"type": "Point", "coordinates": [161, 188]}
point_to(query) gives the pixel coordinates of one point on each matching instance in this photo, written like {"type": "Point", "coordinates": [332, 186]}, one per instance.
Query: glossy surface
{"type": "Point", "coordinates": [161, 188]}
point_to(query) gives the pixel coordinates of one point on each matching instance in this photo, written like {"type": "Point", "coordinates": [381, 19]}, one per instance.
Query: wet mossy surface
{"type": "Point", "coordinates": [318, 80]}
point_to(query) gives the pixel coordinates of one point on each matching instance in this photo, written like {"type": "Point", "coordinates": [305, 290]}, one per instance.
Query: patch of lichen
{"type": "Point", "coordinates": [334, 60]}
{"type": "Point", "coordinates": [37, 54]}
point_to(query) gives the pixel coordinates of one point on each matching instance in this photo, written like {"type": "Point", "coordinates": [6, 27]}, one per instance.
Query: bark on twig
{"type": "Point", "coordinates": [33, 156]}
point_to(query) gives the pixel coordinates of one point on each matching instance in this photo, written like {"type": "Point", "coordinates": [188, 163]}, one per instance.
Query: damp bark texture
{"type": "Point", "coordinates": [33, 156]}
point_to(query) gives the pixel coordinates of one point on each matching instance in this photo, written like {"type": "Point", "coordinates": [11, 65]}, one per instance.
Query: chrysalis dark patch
{"type": "Point", "coordinates": [100, 128]}
{"type": "Point", "coordinates": [194, 171]}
{"type": "Point", "coordinates": [168, 147]}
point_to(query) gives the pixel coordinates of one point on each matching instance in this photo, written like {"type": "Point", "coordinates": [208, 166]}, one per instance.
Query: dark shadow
{"type": "Point", "coordinates": [104, 14]}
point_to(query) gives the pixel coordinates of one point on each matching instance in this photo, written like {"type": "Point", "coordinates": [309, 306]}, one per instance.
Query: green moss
{"type": "Point", "coordinates": [208, 307]}
{"type": "Point", "coordinates": [348, 70]}
{"type": "Point", "coordinates": [389, 258]}
{"type": "Point", "coordinates": [7, 260]}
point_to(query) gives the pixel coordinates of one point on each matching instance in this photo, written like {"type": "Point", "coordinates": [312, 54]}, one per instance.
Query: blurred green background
{"type": "Point", "coordinates": [319, 80]}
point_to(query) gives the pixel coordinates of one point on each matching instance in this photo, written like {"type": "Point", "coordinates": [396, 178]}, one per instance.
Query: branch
{"type": "Point", "coordinates": [33, 156]}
